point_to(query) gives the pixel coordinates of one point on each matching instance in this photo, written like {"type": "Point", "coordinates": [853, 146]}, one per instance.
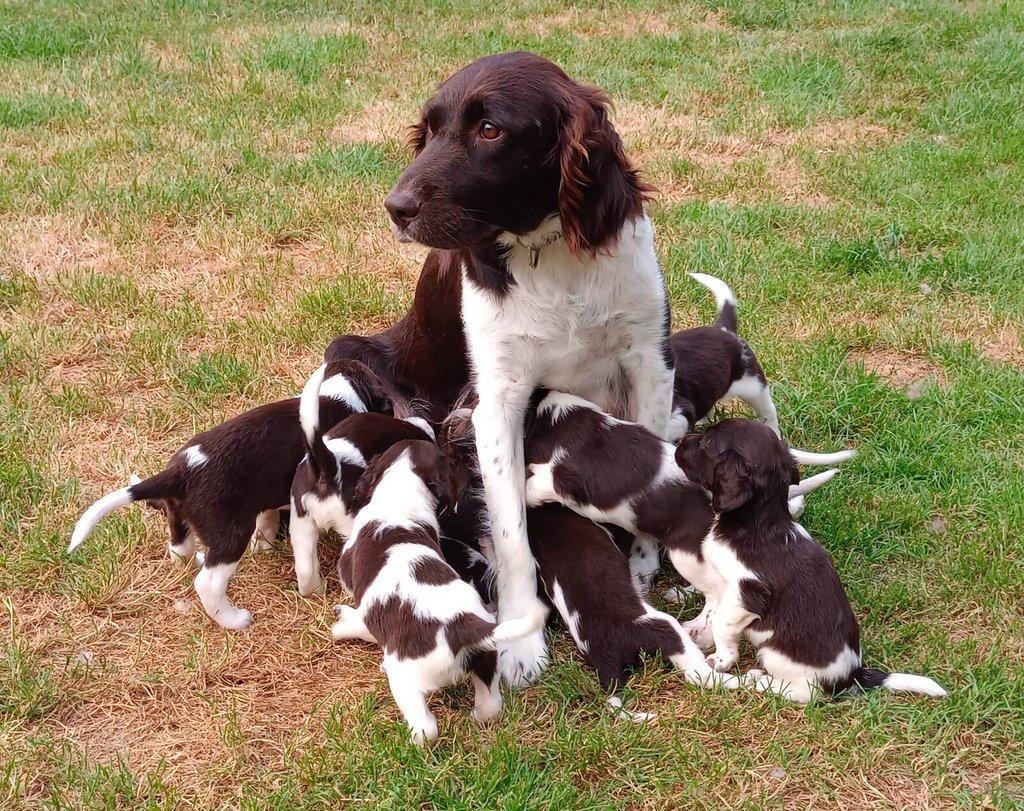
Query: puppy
{"type": "Point", "coordinates": [221, 484]}
{"type": "Point", "coordinates": [326, 476]}
{"type": "Point", "coordinates": [587, 580]}
{"type": "Point", "coordinates": [619, 473]}
{"type": "Point", "coordinates": [771, 581]}
{"type": "Point", "coordinates": [713, 364]}
{"type": "Point", "coordinates": [432, 626]}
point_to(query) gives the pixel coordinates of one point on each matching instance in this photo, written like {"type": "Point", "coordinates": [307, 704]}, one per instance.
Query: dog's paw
{"type": "Point", "coordinates": [484, 713]}
{"type": "Point", "coordinates": [722, 660]}
{"type": "Point", "coordinates": [521, 662]}
{"type": "Point", "coordinates": [425, 735]}
{"type": "Point", "coordinates": [234, 619]}
{"type": "Point", "coordinates": [679, 594]}
{"type": "Point", "coordinates": [316, 587]}
{"type": "Point", "coordinates": [260, 544]}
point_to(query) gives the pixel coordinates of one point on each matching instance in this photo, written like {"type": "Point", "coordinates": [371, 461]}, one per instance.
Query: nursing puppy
{"type": "Point", "coordinates": [432, 626]}
{"type": "Point", "coordinates": [713, 364]}
{"type": "Point", "coordinates": [619, 473]}
{"type": "Point", "coordinates": [587, 580]}
{"type": "Point", "coordinates": [221, 484]}
{"type": "Point", "coordinates": [326, 476]}
{"type": "Point", "coordinates": [771, 581]}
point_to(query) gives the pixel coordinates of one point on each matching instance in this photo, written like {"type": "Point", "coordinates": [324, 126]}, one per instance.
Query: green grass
{"type": "Point", "coordinates": [190, 208]}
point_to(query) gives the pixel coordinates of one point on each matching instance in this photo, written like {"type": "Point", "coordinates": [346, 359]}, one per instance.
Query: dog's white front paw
{"type": "Point", "coordinates": [721, 660]}
{"type": "Point", "coordinates": [487, 711]}
{"type": "Point", "coordinates": [314, 586]}
{"type": "Point", "coordinates": [425, 735]}
{"type": "Point", "coordinates": [522, 661]}
{"type": "Point", "coordinates": [234, 619]}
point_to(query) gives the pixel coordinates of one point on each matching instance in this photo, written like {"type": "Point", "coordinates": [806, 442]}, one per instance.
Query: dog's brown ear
{"type": "Point", "coordinates": [447, 481]}
{"type": "Point", "coordinates": [599, 188]}
{"type": "Point", "coordinates": [732, 485]}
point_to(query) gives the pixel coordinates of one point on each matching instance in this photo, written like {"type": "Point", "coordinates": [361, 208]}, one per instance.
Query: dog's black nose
{"type": "Point", "coordinates": [402, 207]}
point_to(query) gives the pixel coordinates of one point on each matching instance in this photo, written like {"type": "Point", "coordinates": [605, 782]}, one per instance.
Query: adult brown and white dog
{"type": "Point", "coordinates": [520, 180]}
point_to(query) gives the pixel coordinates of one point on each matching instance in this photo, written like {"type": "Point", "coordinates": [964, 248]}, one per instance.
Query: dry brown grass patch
{"type": "Point", "coordinates": [898, 369]}
{"type": "Point", "coordinates": [385, 120]}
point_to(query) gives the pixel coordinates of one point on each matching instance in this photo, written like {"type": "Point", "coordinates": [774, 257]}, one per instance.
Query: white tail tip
{"type": "Point", "coordinates": [720, 290]}
{"type": "Point", "coordinates": [812, 483]}
{"type": "Point", "coordinates": [96, 513]}
{"type": "Point", "coordinates": [909, 683]}
{"type": "Point", "coordinates": [309, 404]}
{"type": "Point", "coordinates": [808, 458]}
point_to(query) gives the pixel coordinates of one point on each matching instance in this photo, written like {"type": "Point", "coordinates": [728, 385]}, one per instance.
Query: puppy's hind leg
{"type": "Point", "coordinates": [487, 702]}
{"type": "Point", "coordinates": [211, 584]}
{"type": "Point", "coordinates": [411, 701]}
{"type": "Point", "coordinates": [182, 546]}
{"type": "Point", "coordinates": [267, 524]}
{"type": "Point", "coordinates": [305, 535]}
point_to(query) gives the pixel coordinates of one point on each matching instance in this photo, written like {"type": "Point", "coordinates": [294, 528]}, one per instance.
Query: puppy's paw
{"type": "Point", "coordinates": [234, 619]}
{"type": "Point", "coordinates": [679, 594]}
{"type": "Point", "coordinates": [260, 544]}
{"type": "Point", "coordinates": [522, 661]}
{"type": "Point", "coordinates": [315, 587]}
{"type": "Point", "coordinates": [722, 660]}
{"type": "Point", "coordinates": [425, 735]}
{"type": "Point", "coordinates": [484, 713]}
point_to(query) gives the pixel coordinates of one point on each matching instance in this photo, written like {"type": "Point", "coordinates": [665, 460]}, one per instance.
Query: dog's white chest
{"type": "Point", "coordinates": [570, 324]}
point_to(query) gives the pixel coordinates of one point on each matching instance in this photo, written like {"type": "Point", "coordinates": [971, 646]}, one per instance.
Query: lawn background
{"type": "Point", "coordinates": [190, 208]}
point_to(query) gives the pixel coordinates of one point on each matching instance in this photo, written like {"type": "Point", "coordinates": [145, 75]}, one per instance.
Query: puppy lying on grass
{"type": "Point", "coordinates": [227, 481]}
{"type": "Point", "coordinates": [769, 579]}
{"type": "Point", "coordinates": [432, 626]}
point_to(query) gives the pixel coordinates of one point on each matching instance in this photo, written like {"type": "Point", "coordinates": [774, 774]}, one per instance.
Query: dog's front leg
{"type": "Point", "coordinates": [650, 396]}
{"type": "Point", "coordinates": [498, 423]}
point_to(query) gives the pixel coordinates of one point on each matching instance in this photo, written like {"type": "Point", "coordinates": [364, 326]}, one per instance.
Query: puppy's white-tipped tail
{"type": "Point", "coordinates": [910, 683]}
{"type": "Point", "coordinates": [96, 513]}
{"type": "Point", "coordinates": [309, 405]}
{"type": "Point", "coordinates": [808, 458]}
{"type": "Point", "coordinates": [812, 483]}
{"type": "Point", "coordinates": [518, 628]}
{"type": "Point", "coordinates": [725, 301]}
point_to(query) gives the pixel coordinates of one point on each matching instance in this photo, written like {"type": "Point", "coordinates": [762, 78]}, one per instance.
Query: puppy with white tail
{"type": "Point", "coordinates": [432, 626]}
{"type": "Point", "coordinates": [327, 475]}
{"type": "Point", "coordinates": [619, 473]}
{"type": "Point", "coordinates": [227, 483]}
{"type": "Point", "coordinates": [713, 364]}
{"type": "Point", "coordinates": [769, 580]}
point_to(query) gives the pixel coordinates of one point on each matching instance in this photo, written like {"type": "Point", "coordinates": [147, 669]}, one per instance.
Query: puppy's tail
{"type": "Point", "coordinates": [321, 460]}
{"type": "Point", "coordinates": [724, 299]}
{"type": "Point", "coordinates": [808, 458]}
{"type": "Point", "coordinates": [517, 628]}
{"type": "Point", "coordinates": [812, 483]}
{"type": "Point", "coordinates": [868, 678]}
{"type": "Point", "coordinates": [165, 484]}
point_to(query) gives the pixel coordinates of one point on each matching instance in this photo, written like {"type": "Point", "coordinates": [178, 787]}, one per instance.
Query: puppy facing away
{"type": "Point", "coordinates": [432, 626]}
{"type": "Point", "coordinates": [587, 580]}
{"type": "Point", "coordinates": [619, 473]}
{"type": "Point", "coordinates": [223, 481]}
{"type": "Point", "coordinates": [713, 364]}
{"type": "Point", "coordinates": [770, 580]}
{"type": "Point", "coordinates": [326, 476]}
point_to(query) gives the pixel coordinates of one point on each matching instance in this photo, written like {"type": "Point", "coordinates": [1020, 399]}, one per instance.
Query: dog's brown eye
{"type": "Point", "coordinates": [488, 131]}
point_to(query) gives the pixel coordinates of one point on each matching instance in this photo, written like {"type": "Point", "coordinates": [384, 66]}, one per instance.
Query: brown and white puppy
{"type": "Point", "coordinates": [521, 182]}
{"type": "Point", "coordinates": [713, 364]}
{"type": "Point", "coordinates": [326, 476]}
{"type": "Point", "coordinates": [587, 580]}
{"type": "Point", "coordinates": [221, 484]}
{"type": "Point", "coordinates": [619, 473]}
{"type": "Point", "coordinates": [432, 626]}
{"type": "Point", "coordinates": [770, 580]}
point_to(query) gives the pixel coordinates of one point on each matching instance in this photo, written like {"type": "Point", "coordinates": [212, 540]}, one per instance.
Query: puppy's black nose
{"type": "Point", "coordinates": [402, 207]}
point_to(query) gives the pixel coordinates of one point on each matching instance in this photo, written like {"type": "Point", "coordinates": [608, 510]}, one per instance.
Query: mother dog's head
{"type": "Point", "coordinates": [505, 143]}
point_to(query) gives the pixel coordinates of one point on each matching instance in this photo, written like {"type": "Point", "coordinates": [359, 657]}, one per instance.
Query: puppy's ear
{"type": "Point", "coordinates": [366, 484]}
{"type": "Point", "coordinates": [732, 485]}
{"type": "Point", "coordinates": [447, 481]}
{"type": "Point", "coordinates": [599, 188]}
